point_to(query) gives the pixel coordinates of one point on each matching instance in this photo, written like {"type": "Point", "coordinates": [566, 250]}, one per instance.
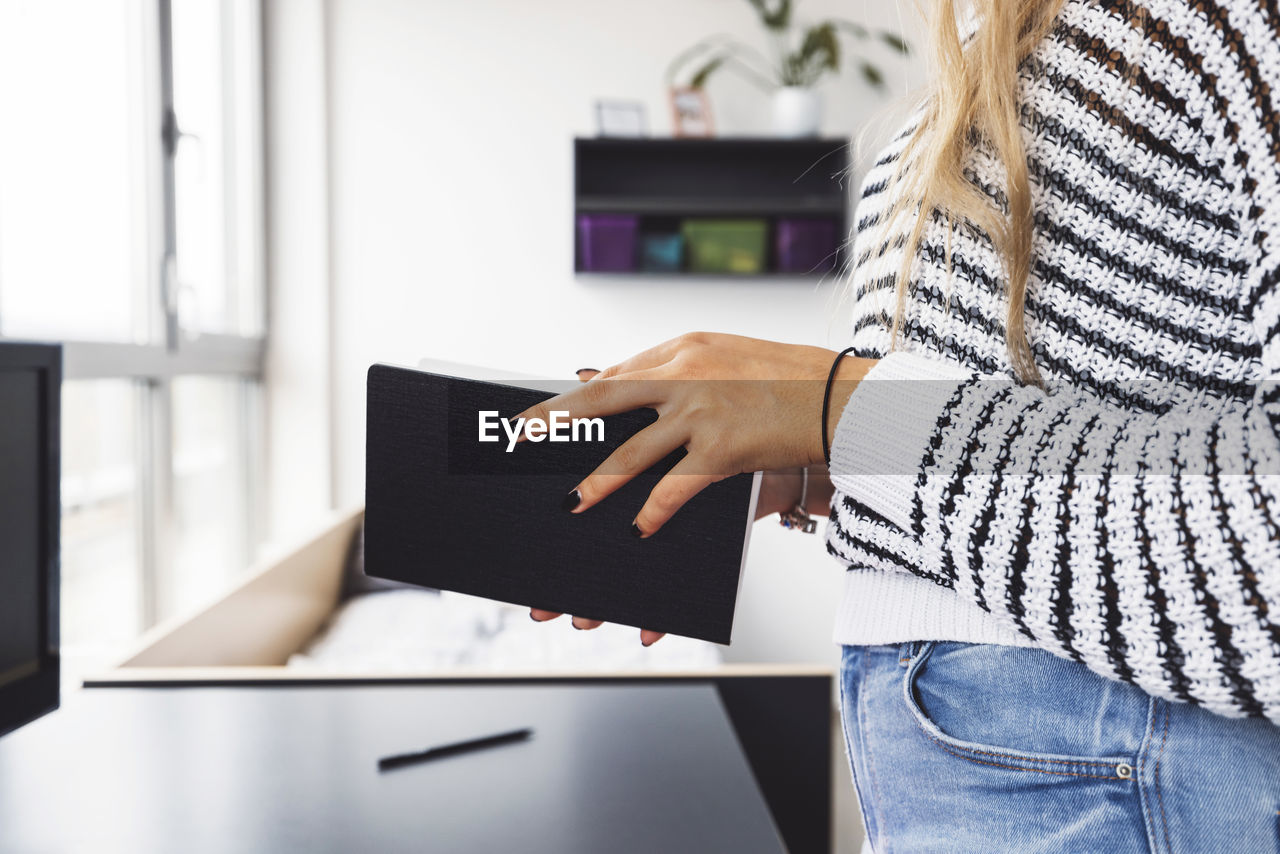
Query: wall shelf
{"type": "Point", "coordinates": [677, 206]}
{"type": "Point", "coordinates": [656, 186]}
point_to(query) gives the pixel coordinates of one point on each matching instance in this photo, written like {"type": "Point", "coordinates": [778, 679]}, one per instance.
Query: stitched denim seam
{"type": "Point", "coordinates": [1019, 757]}
{"type": "Point", "coordinates": [1164, 821]}
{"type": "Point", "coordinates": [846, 673]}
{"type": "Point", "coordinates": [870, 763]}
{"type": "Point", "coordinates": [1148, 737]}
{"type": "Point", "coordinates": [1052, 771]}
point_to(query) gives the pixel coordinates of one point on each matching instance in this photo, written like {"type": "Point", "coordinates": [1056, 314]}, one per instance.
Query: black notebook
{"type": "Point", "coordinates": [448, 511]}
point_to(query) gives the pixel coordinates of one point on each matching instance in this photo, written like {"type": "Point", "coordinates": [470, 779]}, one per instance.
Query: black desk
{"type": "Point", "coordinates": [278, 769]}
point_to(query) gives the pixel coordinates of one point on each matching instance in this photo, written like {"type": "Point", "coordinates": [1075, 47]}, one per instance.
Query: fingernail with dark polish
{"type": "Point", "coordinates": [635, 530]}
{"type": "Point", "coordinates": [572, 500]}
{"type": "Point", "coordinates": [584, 370]}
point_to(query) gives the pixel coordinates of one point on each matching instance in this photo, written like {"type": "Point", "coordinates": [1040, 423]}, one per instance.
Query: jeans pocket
{"type": "Point", "coordinates": [987, 710]}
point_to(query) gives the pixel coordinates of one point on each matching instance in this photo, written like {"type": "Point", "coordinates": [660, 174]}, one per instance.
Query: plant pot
{"type": "Point", "coordinates": [797, 111]}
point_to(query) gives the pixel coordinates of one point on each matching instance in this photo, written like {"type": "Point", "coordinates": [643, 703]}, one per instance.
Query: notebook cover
{"type": "Point", "coordinates": [444, 510]}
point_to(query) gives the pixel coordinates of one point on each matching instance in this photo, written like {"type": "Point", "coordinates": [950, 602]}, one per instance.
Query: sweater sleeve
{"type": "Point", "coordinates": [1145, 545]}
{"type": "Point", "coordinates": [1141, 540]}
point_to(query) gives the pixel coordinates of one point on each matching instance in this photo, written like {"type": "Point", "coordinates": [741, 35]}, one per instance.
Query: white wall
{"type": "Point", "coordinates": [451, 183]}
{"type": "Point", "coordinates": [299, 403]}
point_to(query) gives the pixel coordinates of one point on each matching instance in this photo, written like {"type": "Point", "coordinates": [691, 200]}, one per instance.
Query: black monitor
{"type": "Point", "coordinates": [30, 393]}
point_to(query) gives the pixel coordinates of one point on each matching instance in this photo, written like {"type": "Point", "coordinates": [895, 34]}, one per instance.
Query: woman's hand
{"type": "Point", "coordinates": [647, 637]}
{"type": "Point", "coordinates": [735, 404]}
{"type": "Point", "coordinates": [768, 419]}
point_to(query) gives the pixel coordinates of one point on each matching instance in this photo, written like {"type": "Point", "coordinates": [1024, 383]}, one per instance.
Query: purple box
{"type": "Point", "coordinates": [807, 245]}
{"type": "Point", "coordinates": [606, 243]}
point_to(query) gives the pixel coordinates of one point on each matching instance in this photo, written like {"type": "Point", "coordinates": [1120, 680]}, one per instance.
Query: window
{"type": "Point", "coordinates": [131, 224]}
{"type": "Point", "coordinates": [72, 170]}
{"type": "Point", "coordinates": [101, 516]}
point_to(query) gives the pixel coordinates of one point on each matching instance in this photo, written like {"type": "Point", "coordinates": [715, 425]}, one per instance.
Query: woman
{"type": "Point", "coordinates": [1055, 448]}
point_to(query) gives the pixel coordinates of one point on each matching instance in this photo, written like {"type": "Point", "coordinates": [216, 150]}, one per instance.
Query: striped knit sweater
{"type": "Point", "coordinates": [1127, 516]}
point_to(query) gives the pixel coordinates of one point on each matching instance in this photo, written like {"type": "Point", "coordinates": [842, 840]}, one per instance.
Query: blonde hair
{"type": "Point", "coordinates": [975, 94]}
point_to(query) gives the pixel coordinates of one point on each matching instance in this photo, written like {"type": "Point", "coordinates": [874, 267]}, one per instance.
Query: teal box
{"type": "Point", "coordinates": [661, 253]}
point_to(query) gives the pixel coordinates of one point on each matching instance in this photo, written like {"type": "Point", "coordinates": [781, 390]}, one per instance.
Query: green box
{"type": "Point", "coordinates": [725, 245]}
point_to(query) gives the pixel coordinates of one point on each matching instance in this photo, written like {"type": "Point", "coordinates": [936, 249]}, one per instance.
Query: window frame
{"type": "Point", "coordinates": [152, 367]}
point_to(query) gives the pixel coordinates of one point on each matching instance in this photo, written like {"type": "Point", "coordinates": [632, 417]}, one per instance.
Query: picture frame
{"type": "Point", "coordinates": [621, 119]}
{"type": "Point", "coordinates": [690, 112]}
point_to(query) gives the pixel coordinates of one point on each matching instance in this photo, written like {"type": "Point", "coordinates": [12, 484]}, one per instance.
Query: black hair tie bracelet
{"type": "Point", "coordinates": [826, 403]}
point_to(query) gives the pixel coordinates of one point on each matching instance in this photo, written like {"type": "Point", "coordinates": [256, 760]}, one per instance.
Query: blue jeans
{"type": "Point", "coordinates": [966, 747]}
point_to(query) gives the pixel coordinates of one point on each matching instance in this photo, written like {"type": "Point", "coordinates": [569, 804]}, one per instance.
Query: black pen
{"type": "Point", "coordinates": [386, 763]}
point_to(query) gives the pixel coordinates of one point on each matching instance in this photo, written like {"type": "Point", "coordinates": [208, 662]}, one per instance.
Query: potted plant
{"type": "Point", "coordinates": [802, 55]}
